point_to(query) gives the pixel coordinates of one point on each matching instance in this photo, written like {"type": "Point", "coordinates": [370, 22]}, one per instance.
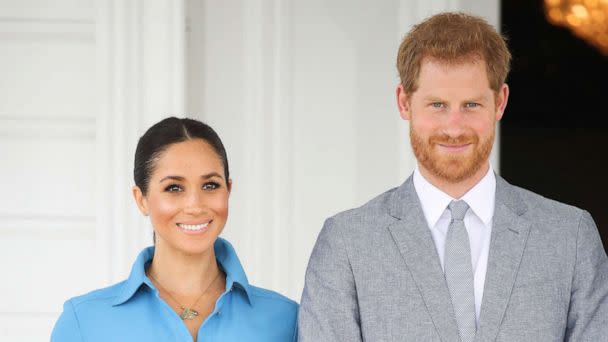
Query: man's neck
{"type": "Point", "coordinates": [455, 190]}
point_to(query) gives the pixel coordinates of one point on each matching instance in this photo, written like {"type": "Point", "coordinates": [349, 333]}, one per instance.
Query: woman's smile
{"type": "Point", "coordinates": [193, 228]}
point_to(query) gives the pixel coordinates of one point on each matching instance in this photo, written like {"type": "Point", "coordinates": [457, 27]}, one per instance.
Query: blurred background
{"type": "Point", "coordinates": [302, 94]}
{"type": "Point", "coordinates": [554, 136]}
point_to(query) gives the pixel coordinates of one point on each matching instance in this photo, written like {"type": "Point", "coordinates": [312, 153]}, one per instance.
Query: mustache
{"type": "Point", "coordinates": [446, 139]}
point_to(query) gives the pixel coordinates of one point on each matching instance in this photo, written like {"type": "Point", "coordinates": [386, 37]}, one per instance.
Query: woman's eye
{"type": "Point", "coordinates": [210, 186]}
{"type": "Point", "coordinates": [173, 188]}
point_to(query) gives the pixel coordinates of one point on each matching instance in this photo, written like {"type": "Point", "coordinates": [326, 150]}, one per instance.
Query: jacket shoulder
{"type": "Point", "coordinates": [371, 214]}
{"type": "Point", "coordinates": [547, 209]}
{"type": "Point", "coordinates": [548, 216]}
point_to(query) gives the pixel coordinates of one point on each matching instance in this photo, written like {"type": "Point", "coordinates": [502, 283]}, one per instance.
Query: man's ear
{"type": "Point", "coordinates": [403, 103]}
{"type": "Point", "coordinates": [140, 200]}
{"type": "Point", "coordinates": [501, 101]}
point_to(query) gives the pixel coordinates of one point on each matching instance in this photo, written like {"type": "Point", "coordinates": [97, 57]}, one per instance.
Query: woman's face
{"type": "Point", "coordinates": [187, 198]}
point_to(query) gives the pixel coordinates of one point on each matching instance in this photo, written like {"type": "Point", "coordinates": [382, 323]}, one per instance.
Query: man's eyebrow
{"type": "Point", "coordinates": [478, 99]}
{"type": "Point", "coordinates": [432, 98]}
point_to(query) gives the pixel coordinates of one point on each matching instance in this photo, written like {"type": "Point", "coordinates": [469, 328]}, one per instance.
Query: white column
{"type": "Point", "coordinates": [141, 70]}
{"type": "Point", "coordinates": [240, 79]}
{"type": "Point", "coordinates": [267, 182]}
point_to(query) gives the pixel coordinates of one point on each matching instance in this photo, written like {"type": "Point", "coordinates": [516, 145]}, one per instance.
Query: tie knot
{"type": "Point", "coordinates": [458, 209]}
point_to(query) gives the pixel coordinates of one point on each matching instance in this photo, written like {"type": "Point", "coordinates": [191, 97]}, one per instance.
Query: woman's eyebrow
{"type": "Point", "coordinates": [177, 178]}
{"type": "Point", "coordinates": [211, 175]}
{"type": "Point", "coordinates": [180, 178]}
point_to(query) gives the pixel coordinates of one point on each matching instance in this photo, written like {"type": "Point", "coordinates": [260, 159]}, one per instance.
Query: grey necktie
{"type": "Point", "coordinates": [459, 272]}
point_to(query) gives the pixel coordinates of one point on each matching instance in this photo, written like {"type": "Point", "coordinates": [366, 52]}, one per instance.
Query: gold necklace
{"type": "Point", "coordinates": [188, 313]}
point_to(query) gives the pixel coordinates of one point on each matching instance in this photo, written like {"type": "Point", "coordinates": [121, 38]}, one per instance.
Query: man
{"type": "Point", "coordinates": [456, 253]}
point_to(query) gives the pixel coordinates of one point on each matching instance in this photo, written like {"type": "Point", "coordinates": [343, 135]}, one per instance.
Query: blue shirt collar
{"type": "Point", "coordinates": [224, 254]}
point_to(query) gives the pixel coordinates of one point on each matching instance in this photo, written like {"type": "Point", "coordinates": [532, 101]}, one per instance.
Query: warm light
{"type": "Point", "coordinates": [588, 19]}
{"type": "Point", "coordinates": [573, 20]}
{"type": "Point", "coordinates": [580, 11]}
{"type": "Point", "coordinates": [591, 3]}
{"type": "Point", "coordinates": [555, 16]}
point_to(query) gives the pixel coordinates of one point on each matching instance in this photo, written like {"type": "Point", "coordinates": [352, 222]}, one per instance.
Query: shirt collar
{"type": "Point", "coordinates": [224, 254]}
{"type": "Point", "coordinates": [230, 263]}
{"type": "Point", "coordinates": [480, 198]}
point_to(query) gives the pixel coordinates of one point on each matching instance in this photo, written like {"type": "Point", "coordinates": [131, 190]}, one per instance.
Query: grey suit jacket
{"type": "Point", "coordinates": [374, 274]}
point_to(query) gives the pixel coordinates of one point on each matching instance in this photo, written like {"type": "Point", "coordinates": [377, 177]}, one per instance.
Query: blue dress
{"type": "Point", "coordinates": [133, 311]}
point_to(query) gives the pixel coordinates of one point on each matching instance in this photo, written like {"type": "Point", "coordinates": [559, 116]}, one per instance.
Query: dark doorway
{"type": "Point", "coordinates": [554, 136]}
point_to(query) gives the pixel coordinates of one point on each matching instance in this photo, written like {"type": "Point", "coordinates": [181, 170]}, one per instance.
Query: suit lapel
{"type": "Point", "coordinates": [509, 236]}
{"type": "Point", "coordinates": [415, 242]}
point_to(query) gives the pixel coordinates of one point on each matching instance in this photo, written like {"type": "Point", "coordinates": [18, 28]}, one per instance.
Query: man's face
{"type": "Point", "coordinates": [452, 116]}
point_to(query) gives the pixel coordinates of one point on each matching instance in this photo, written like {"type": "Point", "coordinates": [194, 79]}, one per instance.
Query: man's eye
{"type": "Point", "coordinates": [210, 186]}
{"type": "Point", "coordinates": [471, 105]}
{"type": "Point", "coordinates": [437, 105]}
{"type": "Point", "coordinates": [173, 188]}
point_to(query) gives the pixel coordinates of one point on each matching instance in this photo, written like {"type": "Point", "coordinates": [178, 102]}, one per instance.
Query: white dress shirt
{"type": "Point", "coordinates": [478, 222]}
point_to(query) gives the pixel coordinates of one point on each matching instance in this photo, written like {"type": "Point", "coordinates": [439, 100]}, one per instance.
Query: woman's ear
{"type": "Point", "coordinates": [140, 199]}
{"type": "Point", "coordinates": [229, 185]}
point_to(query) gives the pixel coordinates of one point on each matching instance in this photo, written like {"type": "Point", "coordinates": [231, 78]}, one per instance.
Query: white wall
{"type": "Point", "coordinates": [301, 91]}
{"type": "Point", "coordinates": [47, 148]}
{"type": "Point", "coordinates": [80, 82]}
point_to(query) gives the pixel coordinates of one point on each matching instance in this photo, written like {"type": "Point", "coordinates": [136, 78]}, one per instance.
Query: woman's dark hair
{"type": "Point", "coordinates": [164, 133]}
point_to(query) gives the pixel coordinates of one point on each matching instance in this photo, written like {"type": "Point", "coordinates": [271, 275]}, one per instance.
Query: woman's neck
{"type": "Point", "coordinates": [182, 274]}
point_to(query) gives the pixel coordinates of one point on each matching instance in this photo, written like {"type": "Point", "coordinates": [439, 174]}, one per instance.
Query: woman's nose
{"type": "Point", "coordinates": [195, 203]}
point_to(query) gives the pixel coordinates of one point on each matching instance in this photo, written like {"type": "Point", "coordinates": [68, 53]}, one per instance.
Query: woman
{"type": "Point", "coordinates": [190, 286]}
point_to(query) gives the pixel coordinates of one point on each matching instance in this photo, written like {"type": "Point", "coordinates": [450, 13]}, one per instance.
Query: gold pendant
{"type": "Point", "coordinates": [188, 313]}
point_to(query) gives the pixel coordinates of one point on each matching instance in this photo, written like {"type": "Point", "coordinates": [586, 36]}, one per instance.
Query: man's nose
{"type": "Point", "coordinates": [455, 122]}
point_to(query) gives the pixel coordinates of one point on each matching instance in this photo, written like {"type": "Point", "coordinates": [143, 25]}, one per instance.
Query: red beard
{"type": "Point", "coordinates": [453, 168]}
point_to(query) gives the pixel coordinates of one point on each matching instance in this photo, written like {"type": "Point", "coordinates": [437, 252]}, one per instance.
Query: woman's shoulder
{"type": "Point", "coordinates": [268, 298]}
{"type": "Point", "coordinates": [119, 292]}
{"type": "Point", "coordinates": [106, 295]}
{"type": "Point", "coordinates": [258, 316]}
{"type": "Point", "coordinates": [82, 313]}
